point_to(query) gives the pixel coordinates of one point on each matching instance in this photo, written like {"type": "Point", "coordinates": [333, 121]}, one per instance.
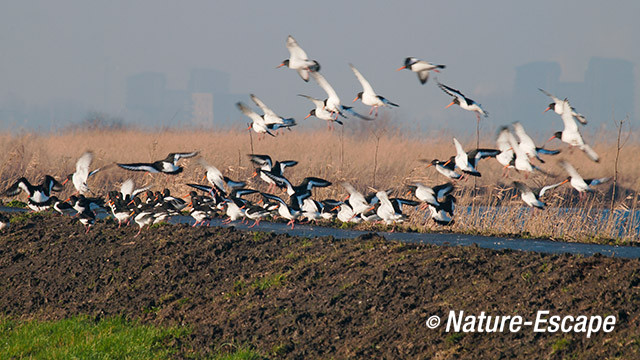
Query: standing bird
{"type": "Point", "coordinates": [167, 166]}
{"type": "Point", "coordinates": [557, 106]}
{"type": "Point", "coordinates": [577, 182]}
{"type": "Point", "coordinates": [298, 60]}
{"type": "Point", "coordinates": [270, 117]}
{"type": "Point", "coordinates": [321, 112]}
{"type": "Point", "coordinates": [571, 134]}
{"type": "Point", "coordinates": [420, 67]}
{"type": "Point", "coordinates": [79, 178]}
{"type": "Point", "coordinates": [291, 211]}
{"type": "Point", "coordinates": [368, 96]}
{"type": "Point", "coordinates": [332, 102]}
{"type": "Point", "coordinates": [532, 197]}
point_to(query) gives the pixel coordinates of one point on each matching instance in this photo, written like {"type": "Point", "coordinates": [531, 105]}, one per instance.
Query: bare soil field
{"type": "Point", "coordinates": [300, 298]}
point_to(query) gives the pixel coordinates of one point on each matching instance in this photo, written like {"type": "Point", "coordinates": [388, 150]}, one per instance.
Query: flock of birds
{"type": "Point", "coordinates": [223, 196]}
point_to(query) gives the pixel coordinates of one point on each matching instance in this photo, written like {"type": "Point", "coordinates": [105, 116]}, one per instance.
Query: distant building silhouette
{"type": "Point", "coordinates": [145, 96]}
{"type": "Point", "coordinates": [608, 85]}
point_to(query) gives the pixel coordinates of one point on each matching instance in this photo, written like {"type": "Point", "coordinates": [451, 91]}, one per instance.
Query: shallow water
{"type": "Point", "coordinates": [489, 242]}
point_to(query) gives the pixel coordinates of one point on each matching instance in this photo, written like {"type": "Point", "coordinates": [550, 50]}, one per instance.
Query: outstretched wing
{"type": "Point", "coordinates": [324, 84]}
{"type": "Point", "coordinates": [178, 156]}
{"type": "Point", "coordinates": [139, 167]}
{"type": "Point", "coordinates": [365, 84]}
{"type": "Point", "coordinates": [590, 152]}
{"type": "Point", "coordinates": [82, 165]}
{"type": "Point", "coordinates": [555, 99]}
{"type": "Point", "coordinates": [261, 160]}
{"type": "Point", "coordinates": [295, 51]}
{"type": "Point", "coordinates": [317, 102]}
{"type": "Point", "coordinates": [451, 91]}
{"type": "Point", "coordinates": [262, 106]}
{"type": "Point", "coordinates": [350, 110]}
{"type": "Point", "coordinates": [248, 112]}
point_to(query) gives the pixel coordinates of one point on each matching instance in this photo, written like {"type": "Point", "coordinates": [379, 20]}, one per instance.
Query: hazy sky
{"type": "Point", "coordinates": [56, 50]}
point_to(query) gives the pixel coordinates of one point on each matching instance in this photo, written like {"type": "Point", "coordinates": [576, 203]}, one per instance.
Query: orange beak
{"type": "Point", "coordinates": [279, 66]}
{"type": "Point", "coordinates": [67, 200]}
{"type": "Point", "coordinates": [447, 163]}
{"type": "Point", "coordinates": [255, 173]}
{"type": "Point", "coordinates": [65, 181]}
{"type": "Point", "coordinates": [335, 208]}
{"type": "Point", "coordinates": [204, 177]}
{"type": "Point", "coordinates": [429, 165]}
{"type": "Point", "coordinates": [547, 109]}
{"type": "Point", "coordinates": [347, 197]}
{"type": "Point", "coordinates": [551, 138]}
{"type": "Point", "coordinates": [130, 202]}
{"type": "Point", "coordinates": [356, 99]}
{"type": "Point", "coordinates": [306, 117]}
{"type": "Point", "coordinates": [564, 182]}
{"type": "Point", "coordinates": [450, 104]}
{"type": "Point", "coordinates": [401, 67]}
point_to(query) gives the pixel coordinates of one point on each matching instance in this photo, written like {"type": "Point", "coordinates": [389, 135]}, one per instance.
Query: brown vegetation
{"type": "Point", "coordinates": [338, 157]}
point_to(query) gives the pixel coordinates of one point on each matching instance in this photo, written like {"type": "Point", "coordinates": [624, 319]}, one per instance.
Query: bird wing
{"type": "Point", "coordinates": [451, 91]}
{"type": "Point", "coordinates": [590, 152]}
{"type": "Point", "coordinates": [555, 99]}
{"type": "Point", "coordinates": [262, 106]}
{"type": "Point", "coordinates": [503, 140]}
{"type": "Point", "coordinates": [304, 74]}
{"type": "Point", "coordinates": [354, 113]}
{"type": "Point", "coordinates": [51, 184]}
{"type": "Point", "coordinates": [82, 165]}
{"type": "Point", "coordinates": [295, 50]}
{"type": "Point", "coordinates": [261, 160]}
{"type": "Point", "coordinates": [273, 197]}
{"type": "Point", "coordinates": [570, 169]}
{"type": "Point", "coordinates": [567, 118]}
{"type": "Point", "coordinates": [423, 76]}
{"type": "Point", "coordinates": [127, 188]}
{"type": "Point", "coordinates": [544, 189]}
{"type": "Point", "coordinates": [178, 156]}
{"type": "Point", "coordinates": [523, 188]}
{"type": "Point", "coordinates": [281, 181]}
{"type": "Point", "coordinates": [204, 188]}
{"type": "Point", "coordinates": [317, 102]}
{"type": "Point", "coordinates": [139, 167]}
{"type": "Point", "coordinates": [459, 149]}
{"type": "Point", "coordinates": [214, 176]}
{"type": "Point", "coordinates": [287, 163]}
{"type": "Point", "coordinates": [311, 182]}
{"type": "Point", "coordinates": [597, 181]}
{"type": "Point", "coordinates": [18, 186]}
{"type": "Point", "coordinates": [250, 113]}
{"type": "Point", "coordinates": [365, 84]}
{"type": "Point", "coordinates": [324, 84]}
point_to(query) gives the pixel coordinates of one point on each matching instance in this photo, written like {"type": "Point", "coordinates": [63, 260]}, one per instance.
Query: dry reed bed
{"type": "Point", "coordinates": [347, 156]}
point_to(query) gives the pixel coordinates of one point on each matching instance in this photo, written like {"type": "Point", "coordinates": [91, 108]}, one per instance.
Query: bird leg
{"type": "Point", "coordinates": [292, 223]}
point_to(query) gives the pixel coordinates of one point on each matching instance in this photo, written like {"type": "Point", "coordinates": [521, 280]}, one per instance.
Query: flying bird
{"type": "Point", "coordinates": [532, 197]}
{"type": "Point", "coordinates": [571, 134]}
{"type": "Point", "coordinates": [467, 161]}
{"type": "Point", "coordinates": [368, 96]}
{"type": "Point", "coordinates": [79, 178]}
{"type": "Point", "coordinates": [298, 60]}
{"type": "Point", "coordinates": [270, 117]}
{"type": "Point", "coordinates": [529, 146]}
{"type": "Point", "coordinates": [463, 101]}
{"type": "Point", "coordinates": [321, 112]}
{"type": "Point", "coordinates": [577, 182]}
{"type": "Point", "coordinates": [168, 165]}
{"type": "Point", "coordinates": [332, 103]}
{"type": "Point", "coordinates": [39, 195]}
{"type": "Point", "coordinates": [558, 107]}
{"type": "Point", "coordinates": [420, 67]}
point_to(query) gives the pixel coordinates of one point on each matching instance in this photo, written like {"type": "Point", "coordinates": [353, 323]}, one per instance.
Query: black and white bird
{"type": "Point", "coordinates": [332, 103]}
{"type": "Point", "coordinates": [446, 168]}
{"type": "Point", "coordinates": [506, 155]}
{"type": "Point", "coordinates": [298, 60]}
{"type": "Point", "coordinates": [79, 178]}
{"type": "Point", "coordinates": [38, 194]}
{"type": "Point", "coordinates": [578, 182]}
{"type": "Point", "coordinates": [420, 67]}
{"type": "Point", "coordinates": [463, 101]}
{"type": "Point", "coordinates": [558, 107]}
{"type": "Point", "coordinates": [368, 96]}
{"type": "Point", "coordinates": [531, 197]}
{"type": "Point", "coordinates": [468, 161]}
{"type": "Point", "coordinates": [430, 195]}
{"type": "Point", "coordinates": [271, 118]}
{"type": "Point", "coordinates": [289, 211]}
{"type": "Point", "coordinates": [258, 124]}
{"type": "Point", "coordinates": [167, 166]}
{"type": "Point", "coordinates": [265, 164]}
{"type": "Point", "coordinates": [527, 144]}
{"type": "Point", "coordinates": [321, 112]}
{"type": "Point", "coordinates": [442, 213]}
{"type": "Point", "coordinates": [570, 134]}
